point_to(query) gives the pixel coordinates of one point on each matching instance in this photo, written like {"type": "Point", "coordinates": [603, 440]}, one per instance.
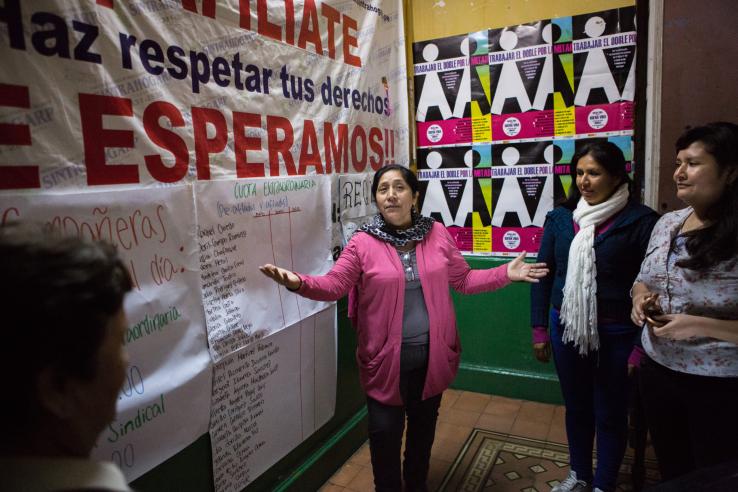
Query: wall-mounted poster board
{"type": "Point", "coordinates": [498, 111]}
{"type": "Point", "coordinates": [205, 138]}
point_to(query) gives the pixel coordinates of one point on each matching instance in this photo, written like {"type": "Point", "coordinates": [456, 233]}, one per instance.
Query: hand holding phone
{"type": "Point", "coordinates": [652, 308]}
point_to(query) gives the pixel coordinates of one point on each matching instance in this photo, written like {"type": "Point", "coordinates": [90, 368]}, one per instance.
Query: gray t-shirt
{"type": "Point", "coordinates": [415, 324]}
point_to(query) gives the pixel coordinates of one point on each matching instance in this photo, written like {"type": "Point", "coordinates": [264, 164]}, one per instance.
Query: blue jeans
{"type": "Point", "coordinates": [595, 389]}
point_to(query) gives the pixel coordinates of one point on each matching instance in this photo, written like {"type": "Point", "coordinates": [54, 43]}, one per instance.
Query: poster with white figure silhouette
{"type": "Point", "coordinates": [522, 194]}
{"type": "Point", "coordinates": [446, 189]}
{"type": "Point", "coordinates": [604, 49]}
{"type": "Point", "coordinates": [521, 81]}
{"type": "Point", "coordinates": [442, 91]}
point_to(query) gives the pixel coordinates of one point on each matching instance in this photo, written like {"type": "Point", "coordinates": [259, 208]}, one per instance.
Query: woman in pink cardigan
{"type": "Point", "coordinates": [397, 271]}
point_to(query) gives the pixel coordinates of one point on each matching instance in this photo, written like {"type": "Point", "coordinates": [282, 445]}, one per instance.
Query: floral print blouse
{"type": "Point", "coordinates": [712, 293]}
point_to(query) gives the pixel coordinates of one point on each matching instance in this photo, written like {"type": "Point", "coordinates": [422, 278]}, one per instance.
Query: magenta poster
{"type": "Point", "coordinates": [604, 47]}
{"type": "Point", "coordinates": [521, 81]}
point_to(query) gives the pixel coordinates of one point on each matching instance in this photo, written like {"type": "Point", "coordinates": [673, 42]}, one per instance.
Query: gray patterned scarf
{"type": "Point", "coordinates": [381, 230]}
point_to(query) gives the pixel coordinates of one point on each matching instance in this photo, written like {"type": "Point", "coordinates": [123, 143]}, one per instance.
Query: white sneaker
{"type": "Point", "coordinates": [571, 484]}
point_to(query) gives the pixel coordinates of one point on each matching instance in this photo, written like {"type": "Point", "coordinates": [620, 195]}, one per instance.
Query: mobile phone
{"type": "Point", "coordinates": [651, 310]}
{"type": "Point", "coordinates": [654, 323]}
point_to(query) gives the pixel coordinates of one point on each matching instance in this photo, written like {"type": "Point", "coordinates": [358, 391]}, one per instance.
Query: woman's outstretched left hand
{"type": "Point", "coordinates": [520, 271]}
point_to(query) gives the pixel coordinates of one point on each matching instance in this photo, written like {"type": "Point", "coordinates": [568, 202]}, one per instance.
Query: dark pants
{"type": "Point", "coordinates": [386, 426]}
{"type": "Point", "coordinates": [693, 420]}
{"type": "Point", "coordinates": [595, 389]}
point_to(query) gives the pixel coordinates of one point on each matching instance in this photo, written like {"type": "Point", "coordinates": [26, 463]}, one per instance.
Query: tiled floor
{"type": "Point", "coordinates": [460, 413]}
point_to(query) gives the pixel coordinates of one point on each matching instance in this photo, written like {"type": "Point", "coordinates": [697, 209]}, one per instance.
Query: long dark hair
{"type": "Point", "coordinates": [606, 154]}
{"type": "Point", "coordinates": [718, 241]}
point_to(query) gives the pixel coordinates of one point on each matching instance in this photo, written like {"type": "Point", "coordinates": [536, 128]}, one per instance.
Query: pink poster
{"type": "Point", "coordinates": [604, 47]}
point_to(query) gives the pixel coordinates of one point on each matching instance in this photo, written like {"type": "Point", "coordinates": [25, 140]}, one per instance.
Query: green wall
{"type": "Point", "coordinates": [496, 358]}
{"type": "Point", "coordinates": [497, 355]}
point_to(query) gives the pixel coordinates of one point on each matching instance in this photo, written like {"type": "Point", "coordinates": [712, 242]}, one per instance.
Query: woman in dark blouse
{"type": "Point", "coordinates": [593, 245]}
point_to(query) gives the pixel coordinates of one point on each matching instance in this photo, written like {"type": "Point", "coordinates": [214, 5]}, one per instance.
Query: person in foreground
{"type": "Point", "coordinates": [63, 328]}
{"type": "Point", "coordinates": [593, 244]}
{"type": "Point", "coordinates": [397, 271]}
{"type": "Point", "coordinates": [687, 294]}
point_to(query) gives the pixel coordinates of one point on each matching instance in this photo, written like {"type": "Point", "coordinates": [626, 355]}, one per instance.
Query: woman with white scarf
{"type": "Point", "coordinates": [593, 244]}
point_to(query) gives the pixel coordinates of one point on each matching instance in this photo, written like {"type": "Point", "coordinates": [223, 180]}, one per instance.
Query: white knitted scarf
{"type": "Point", "coordinates": [579, 309]}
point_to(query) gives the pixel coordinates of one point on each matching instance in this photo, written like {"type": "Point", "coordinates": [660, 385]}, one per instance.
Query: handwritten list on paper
{"type": "Point", "coordinates": [247, 223]}
{"type": "Point", "coordinates": [269, 396]}
{"type": "Point", "coordinates": [274, 351]}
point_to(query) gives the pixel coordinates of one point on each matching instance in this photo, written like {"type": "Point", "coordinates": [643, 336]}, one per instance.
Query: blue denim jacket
{"type": "Point", "coordinates": [618, 252]}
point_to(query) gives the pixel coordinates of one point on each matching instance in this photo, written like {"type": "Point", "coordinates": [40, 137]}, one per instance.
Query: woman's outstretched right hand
{"type": "Point", "coordinates": [281, 276]}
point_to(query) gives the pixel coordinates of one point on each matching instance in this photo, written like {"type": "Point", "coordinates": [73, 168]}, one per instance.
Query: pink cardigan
{"type": "Point", "coordinates": [376, 305]}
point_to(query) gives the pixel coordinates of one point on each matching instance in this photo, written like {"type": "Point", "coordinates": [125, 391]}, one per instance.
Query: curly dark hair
{"type": "Point", "coordinates": [58, 295]}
